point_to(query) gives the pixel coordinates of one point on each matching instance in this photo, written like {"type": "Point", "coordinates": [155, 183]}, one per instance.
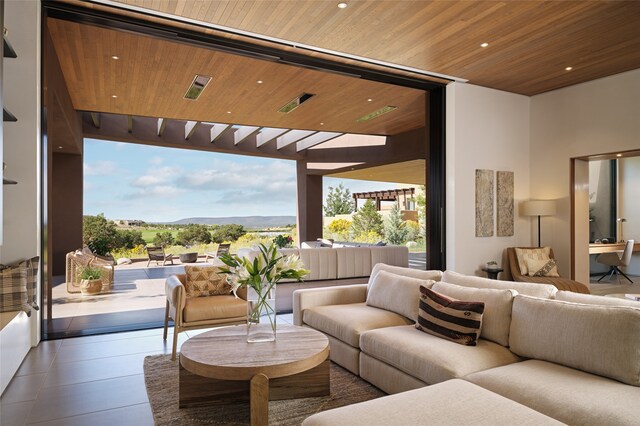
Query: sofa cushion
{"type": "Point", "coordinates": [439, 404]}
{"type": "Point", "coordinates": [568, 395]}
{"type": "Point", "coordinates": [546, 291]}
{"type": "Point", "coordinates": [391, 255]}
{"type": "Point", "coordinates": [602, 340]}
{"type": "Point", "coordinates": [434, 275]}
{"type": "Point", "coordinates": [214, 307]}
{"type": "Point", "coordinates": [430, 358]}
{"type": "Point", "coordinates": [496, 319]}
{"type": "Point", "coordinates": [322, 262]}
{"type": "Point", "coordinates": [205, 281]}
{"type": "Point", "coordinates": [590, 299]}
{"type": "Point", "coordinates": [525, 254]}
{"type": "Point", "coordinates": [396, 293]}
{"type": "Point", "coordinates": [347, 322]}
{"type": "Point", "coordinates": [452, 319]}
{"type": "Point", "coordinates": [353, 262]}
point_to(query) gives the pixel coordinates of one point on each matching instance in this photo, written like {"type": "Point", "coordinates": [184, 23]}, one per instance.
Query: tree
{"type": "Point", "coordinates": [163, 239]}
{"type": "Point", "coordinates": [99, 234]}
{"type": "Point", "coordinates": [338, 201]}
{"type": "Point", "coordinates": [129, 238]}
{"type": "Point", "coordinates": [193, 234]}
{"type": "Point", "coordinates": [367, 219]}
{"type": "Point", "coordinates": [394, 228]}
{"type": "Point", "coordinates": [230, 232]}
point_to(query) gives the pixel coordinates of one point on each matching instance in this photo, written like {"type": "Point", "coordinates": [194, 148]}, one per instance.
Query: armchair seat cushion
{"type": "Point", "coordinates": [214, 307]}
{"type": "Point", "coordinates": [347, 322]}
{"type": "Point", "coordinates": [430, 358]}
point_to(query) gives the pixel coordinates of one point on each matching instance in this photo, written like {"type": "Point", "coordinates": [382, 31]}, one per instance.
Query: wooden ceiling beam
{"type": "Point", "coordinates": [161, 124]}
{"type": "Point", "coordinates": [316, 139]}
{"type": "Point", "coordinates": [243, 133]}
{"type": "Point", "coordinates": [95, 117]}
{"type": "Point", "coordinates": [216, 130]}
{"type": "Point", "coordinates": [189, 129]}
{"type": "Point", "coordinates": [268, 134]}
{"type": "Point", "coordinates": [292, 137]}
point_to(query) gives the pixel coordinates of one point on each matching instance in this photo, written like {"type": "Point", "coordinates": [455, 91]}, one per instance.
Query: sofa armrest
{"type": "Point", "coordinates": [340, 295]}
{"type": "Point", "coordinates": [175, 291]}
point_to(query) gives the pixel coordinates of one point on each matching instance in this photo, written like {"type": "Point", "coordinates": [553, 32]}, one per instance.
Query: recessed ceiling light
{"type": "Point", "coordinates": [115, 57]}
{"type": "Point", "coordinates": [114, 96]}
{"type": "Point", "coordinates": [322, 124]}
{"type": "Point", "coordinates": [228, 112]}
{"type": "Point", "coordinates": [59, 147]}
{"type": "Point", "coordinates": [484, 44]}
{"type": "Point", "coordinates": [342, 5]}
{"type": "Point", "coordinates": [618, 155]}
{"type": "Point", "coordinates": [568, 68]}
{"type": "Point", "coordinates": [259, 82]}
{"type": "Point", "coordinates": [369, 100]}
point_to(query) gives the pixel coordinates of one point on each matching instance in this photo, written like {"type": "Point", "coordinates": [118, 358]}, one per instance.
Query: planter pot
{"type": "Point", "coordinates": [261, 314]}
{"type": "Point", "coordinates": [88, 287]}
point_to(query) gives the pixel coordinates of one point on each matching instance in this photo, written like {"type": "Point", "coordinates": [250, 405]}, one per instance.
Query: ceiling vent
{"type": "Point", "coordinates": [296, 102]}
{"type": "Point", "coordinates": [197, 86]}
{"type": "Point", "coordinates": [385, 109]}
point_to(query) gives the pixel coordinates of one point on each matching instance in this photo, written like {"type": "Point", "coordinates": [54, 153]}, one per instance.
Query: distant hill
{"type": "Point", "coordinates": [246, 221]}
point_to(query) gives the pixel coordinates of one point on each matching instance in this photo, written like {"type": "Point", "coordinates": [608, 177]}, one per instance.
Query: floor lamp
{"type": "Point", "coordinates": [538, 208]}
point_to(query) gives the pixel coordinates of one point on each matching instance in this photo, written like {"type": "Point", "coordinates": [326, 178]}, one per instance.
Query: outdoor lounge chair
{"type": "Point", "coordinates": [222, 249]}
{"type": "Point", "coordinates": [158, 254]}
{"type": "Point", "coordinates": [77, 260]}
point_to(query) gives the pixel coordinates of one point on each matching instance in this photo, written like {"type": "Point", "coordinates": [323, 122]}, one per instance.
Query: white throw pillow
{"type": "Point", "coordinates": [530, 289]}
{"type": "Point", "coordinates": [522, 254]}
{"type": "Point", "coordinates": [496, 319]}
{"type": "Point", "coordinates": [396, 293]}
{"type": "Point", "coordinates": [434, 275]}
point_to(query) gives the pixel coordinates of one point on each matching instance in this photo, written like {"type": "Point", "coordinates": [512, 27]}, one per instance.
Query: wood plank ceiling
{"type": "Point", "coordinates": [411, 172]}
{"type": "Point", "coordinates": [530, 42]}
{"type": "Point", "coordinates": [151, 76]}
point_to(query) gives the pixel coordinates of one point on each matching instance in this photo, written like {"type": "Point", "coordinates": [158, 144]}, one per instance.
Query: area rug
{"type": "Point", "coordinates": [161, 379]}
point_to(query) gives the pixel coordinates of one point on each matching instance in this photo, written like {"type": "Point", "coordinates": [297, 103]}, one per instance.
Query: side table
{"type": "Point", "coordinates": [492, 273]}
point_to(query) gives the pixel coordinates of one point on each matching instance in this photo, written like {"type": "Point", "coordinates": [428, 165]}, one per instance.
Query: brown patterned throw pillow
{"type": "Point", "coordinates": [449, 318]}
{"type": "Point", "coordinates": [13, 289]}
{"type": "Point", "coordinates": [542, 268]}
{"type": "Point", "coordinates": [524, 254]}
{"type": "Point", "coordinates": [205, 281]}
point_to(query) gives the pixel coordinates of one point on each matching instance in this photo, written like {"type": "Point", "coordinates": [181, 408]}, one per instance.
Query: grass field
{"type": "Point", "coordinates": [149, 234]}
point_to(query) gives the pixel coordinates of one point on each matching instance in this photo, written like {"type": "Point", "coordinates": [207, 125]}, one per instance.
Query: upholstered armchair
{"type": "Point", "coordinates": [190, 313]}
{"type": "Point", "coordinates": [561, 283]}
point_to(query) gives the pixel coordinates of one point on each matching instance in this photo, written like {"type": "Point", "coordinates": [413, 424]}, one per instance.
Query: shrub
{"type": "Point", "coordinates": [413, 230]}
{"type": "Point", "coordinates": [163, 239]}
{"type": "Point", "coordinates": [339, 226]}
{"type": "Point", "coordinates": [128, 238]}
{"type": "Point", "coordinates": [367, 219]}
{"type": "Point", "coordinates": [283, 241]}
{"type": "Point", "coordinates": [194, 234]}
{"type": "Point", "coordinates": [99, 234]}
{"type": "Point", "coordinates": [231, 232]}
{"type": "Point", "coordinates": [394, 227]}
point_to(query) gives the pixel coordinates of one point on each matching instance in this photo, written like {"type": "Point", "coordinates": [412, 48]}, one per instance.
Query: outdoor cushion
{"type": "Point", "coordinates": [439, 404]}
{"type": "Point", "coordinates": [321, 262]}
{"type": "Point", "coordinates": [214, 307]}
{"type": "Point", "coordinates": [391, 255]}
{"type": "Point", "coordinates": [545, 291]}
{"type": "Point", "coordinates": [354, 262]}
{"type": "Point", "coordinates": [396, 293]}
{"type": "Point", "coordinates": [430, 358]}
{"type": "Point", "coordinates": [568, 395]}
{"type": "Point", "coordinates": [347, 322]}
{"type": "Point", "coordinates": [602, 340]}
{"type": "Point", "coordinates": [496, 318]}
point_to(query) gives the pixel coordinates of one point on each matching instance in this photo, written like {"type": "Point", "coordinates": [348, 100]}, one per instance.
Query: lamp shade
{"type": "Point", "coordinates": [538, 208]}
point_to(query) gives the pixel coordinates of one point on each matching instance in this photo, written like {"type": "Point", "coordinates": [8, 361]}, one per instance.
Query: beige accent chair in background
{"type": "Point", "coordinates": [77, 260]}
{"type": "Point", "coordinates": [560, 283]}
{"type": "Point", "coordinates": [615, 260]}
{"type": "Point", "coordinates": [190, 313]}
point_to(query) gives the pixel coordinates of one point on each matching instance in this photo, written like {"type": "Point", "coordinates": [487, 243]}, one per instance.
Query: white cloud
{"type": "Point", "coordinates": [156, 161]}
{"type": "Point", "coordinates": [100, 168]}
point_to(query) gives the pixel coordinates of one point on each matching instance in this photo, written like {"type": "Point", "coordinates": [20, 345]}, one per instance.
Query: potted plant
{"type": "Point", "coordinates": [90, 280]}
{"type": "Point", "coordinates": [492, 264]}
{"type": "Point", "coordinates": [260, 277]}
{"type": "Point", "coordinates": [283, 241]}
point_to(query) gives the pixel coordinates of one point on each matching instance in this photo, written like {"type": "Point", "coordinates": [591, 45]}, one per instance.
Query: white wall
{"type": "Point", "coordinates": [597, 117]}
{"type": "Point", "coordinates": [486, 129]}
{"type": "Point", "coordinates": [629, 205]}
{"type": "Point", "coordinates": [21, 153]}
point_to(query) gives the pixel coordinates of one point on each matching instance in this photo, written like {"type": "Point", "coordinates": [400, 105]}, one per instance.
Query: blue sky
{"type": "Point", "coordinates": [157, 184]}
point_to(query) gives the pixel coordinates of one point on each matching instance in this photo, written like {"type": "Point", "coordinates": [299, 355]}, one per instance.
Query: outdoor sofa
{"type": "Point", "coordinates": [542, 355]}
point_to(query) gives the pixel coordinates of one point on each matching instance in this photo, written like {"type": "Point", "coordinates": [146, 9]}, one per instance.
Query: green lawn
{"type": "Point", "coordinates": [149, 233]}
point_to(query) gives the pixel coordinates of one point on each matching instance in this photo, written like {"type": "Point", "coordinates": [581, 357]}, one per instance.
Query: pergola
{"type": "Point", "coordinates": [402, 196]}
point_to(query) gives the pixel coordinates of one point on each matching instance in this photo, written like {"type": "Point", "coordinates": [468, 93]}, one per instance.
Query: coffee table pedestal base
{"type": "Point", "coordinates": [196, 391]}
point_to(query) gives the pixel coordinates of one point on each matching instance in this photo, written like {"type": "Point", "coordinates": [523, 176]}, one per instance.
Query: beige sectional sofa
{"type": "Point", "coordinates": [333, 267]}
{"type": "Point", "coordinates": [571, 357]}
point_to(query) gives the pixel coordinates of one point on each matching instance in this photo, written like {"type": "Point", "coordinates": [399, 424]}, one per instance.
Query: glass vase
{"type": "Point", "coordinates": [261, 314]}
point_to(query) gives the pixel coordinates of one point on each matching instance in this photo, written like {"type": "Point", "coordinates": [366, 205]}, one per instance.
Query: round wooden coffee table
{"type": "Point", "coordinates": [219, 366]}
